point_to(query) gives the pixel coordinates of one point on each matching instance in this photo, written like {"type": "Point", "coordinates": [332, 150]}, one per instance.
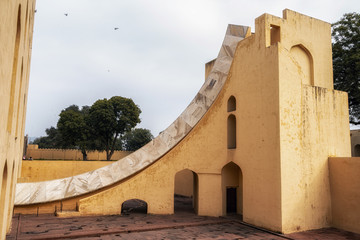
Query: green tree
{"type": "Point", "coordinates": [110, 119]}
{"type": "Point", "coordinates": [52, 140]}
{"type": "Point", "coordinates": [74, 130]}
{"type": "Point", "coordinates": [136, 138]}
{"type": "Point", "coordinates": [346, 60]}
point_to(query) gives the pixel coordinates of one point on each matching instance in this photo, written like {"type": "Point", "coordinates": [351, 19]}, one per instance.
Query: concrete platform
{"type": "Point", "coordinates": [183, 225]}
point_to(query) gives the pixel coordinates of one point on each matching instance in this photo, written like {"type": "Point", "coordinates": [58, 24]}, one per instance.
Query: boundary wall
{"type": "Point", "coordinates": [69, 154]}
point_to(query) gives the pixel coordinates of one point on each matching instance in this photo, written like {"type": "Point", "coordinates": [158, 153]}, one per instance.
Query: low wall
{"type": "Point", "coordinates": [69, 154]}
{"type": "Point", "coordinates": [36, 171]}
{"type": "Point", "coordinates": [345, 193]}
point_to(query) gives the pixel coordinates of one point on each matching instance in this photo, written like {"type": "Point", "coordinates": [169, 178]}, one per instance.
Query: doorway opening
{"type": "Point", "coordinates": [232, 188]}
{"type": "Point", "coordinates": [186, 192]}
{"type": "Point", "coordinates": [231, 200]}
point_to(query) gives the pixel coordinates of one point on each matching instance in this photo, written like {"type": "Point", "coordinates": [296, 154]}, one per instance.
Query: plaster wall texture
{"type": "Point", "coordinates": [16, 29]}
{"type": "Point", "coordinates": [70, 154]}
{"type": "Point", "coordinates": [345, 193]}
{"type": "Point", "coordinates": [313, 120]}
{"type": "Point", "coordinates": [286, 122]}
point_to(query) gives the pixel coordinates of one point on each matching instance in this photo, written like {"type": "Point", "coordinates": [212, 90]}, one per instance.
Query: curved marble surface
{"type": "Point", "coordinates": [40, 192]}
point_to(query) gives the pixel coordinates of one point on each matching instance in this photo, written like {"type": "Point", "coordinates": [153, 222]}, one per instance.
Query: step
{"type": "Point", "coordinates": [65, 214]}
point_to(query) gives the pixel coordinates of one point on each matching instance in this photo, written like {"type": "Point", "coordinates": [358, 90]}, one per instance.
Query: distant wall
{"type": "Point", "coordinates": [36, 171]}
{"type": "Point", "coordinates": [345, 193]}
{"type": "Point", "coordinates": [69, 154]}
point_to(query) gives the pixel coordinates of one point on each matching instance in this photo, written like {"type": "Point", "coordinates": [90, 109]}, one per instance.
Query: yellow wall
{"type": "Point", "coordinates": [36, 171]}
{"type": "Point", "coordinates": [288, 120]}
{"type": "Point", "coordinates": [345, 193]}
{"type": "Point", "coordinates": [16, 29]}
{"type": "Point", "coordinates": [313, 121]}
{"type": "Point", "coordinates": [287, 125]}
{"type": "Point", "coordinates": [69, 154]}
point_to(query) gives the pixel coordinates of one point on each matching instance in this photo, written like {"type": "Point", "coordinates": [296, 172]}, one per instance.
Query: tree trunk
{"type": "Point", "coordinates": [109, 155]}
{"type": "Point", "coordinates": [84, 154]}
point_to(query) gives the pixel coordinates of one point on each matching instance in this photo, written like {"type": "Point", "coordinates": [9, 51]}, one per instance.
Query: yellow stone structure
{"type": "Point", "coordinates": [16, 29]}
{"type": "Point", "coordinates": [256, 140]}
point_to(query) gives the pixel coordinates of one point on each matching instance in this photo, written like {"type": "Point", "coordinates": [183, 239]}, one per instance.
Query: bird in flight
{"type": "Point", "coordinates": [116, 28]}
{"type": "Point", "coordinates": [66, 14]}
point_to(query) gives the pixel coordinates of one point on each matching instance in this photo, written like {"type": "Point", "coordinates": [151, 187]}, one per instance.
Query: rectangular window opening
{"type": "Point", "coordinates": [274, 34]}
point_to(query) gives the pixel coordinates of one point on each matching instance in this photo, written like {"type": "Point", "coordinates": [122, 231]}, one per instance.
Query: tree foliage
{"type": "Point", "coordinates": [136, 138]}
{"type": "Point", "coordinates": [111, 119]}
{"type": "Point", "coordinates": [52, 140]}
{"type": "Point", "coordinates": [346, 60]}
{"type": "Point", "coordinates": [74, 130]}
{"type": "Point", "coordinates": [107, 125]}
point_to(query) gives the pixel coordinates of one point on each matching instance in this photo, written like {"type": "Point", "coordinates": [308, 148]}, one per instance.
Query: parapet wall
{"type": "Point", "coordinates": [69, 154]}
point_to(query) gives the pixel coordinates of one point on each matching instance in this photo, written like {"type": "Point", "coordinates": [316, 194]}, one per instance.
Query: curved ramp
{"type": "Point", "coordinates": [47, 191]}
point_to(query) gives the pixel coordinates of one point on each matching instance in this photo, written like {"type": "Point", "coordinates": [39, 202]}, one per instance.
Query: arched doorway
{"type": "Point", "coordinates": [134, 206]}
{"type": "Point", "coordinates": [357, 150]}
{"type": "Point", "coordinates": [186, 191]}
{"type": "Point", "coordinates": [232, 189]}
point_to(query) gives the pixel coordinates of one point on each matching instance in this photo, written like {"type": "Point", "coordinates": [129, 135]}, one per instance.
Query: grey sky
{"type": "Point", "coordinates": [156, 57]}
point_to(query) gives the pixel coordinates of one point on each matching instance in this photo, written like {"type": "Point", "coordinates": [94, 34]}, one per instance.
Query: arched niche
{"type": "Point", "coordinates": [134, 206]}
{"type": "Point", "coordinates": [12, 177]}
{"type": "Point", "coordinates": [3, 193]}
{"type": "Point", "coordinates": [304, 64]}
{"type": "Point", "coordinates": [14, 72]}
{"type": "Point", "coordinates": [231, 104]}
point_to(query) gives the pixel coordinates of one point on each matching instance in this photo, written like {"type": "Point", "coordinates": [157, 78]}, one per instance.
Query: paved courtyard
{"type": "Point", "coordinates": [142, 226]}
{"type": "Point", "coordinates": [134, 223]}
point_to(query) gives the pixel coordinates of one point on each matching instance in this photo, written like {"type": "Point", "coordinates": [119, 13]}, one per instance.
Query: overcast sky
{"type": "Point", "coordinates": [156, 56]}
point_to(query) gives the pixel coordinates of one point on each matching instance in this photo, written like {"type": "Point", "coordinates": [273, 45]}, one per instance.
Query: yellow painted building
{"type": "Point", "coordinates": [256, 140]}
{"type": "Point", "coordinates": [16, 29]}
